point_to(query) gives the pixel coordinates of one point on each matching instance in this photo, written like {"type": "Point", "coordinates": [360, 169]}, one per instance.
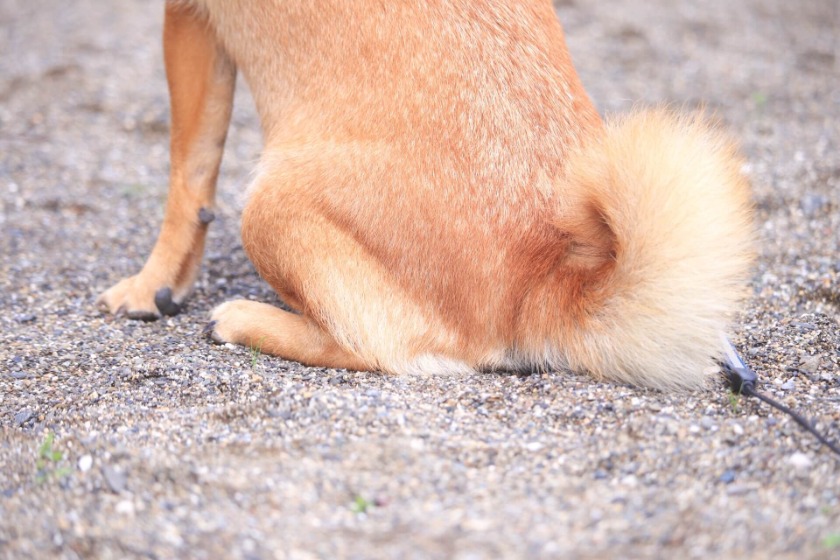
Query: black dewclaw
{"type": "Point", "coordinates": [742, 381]}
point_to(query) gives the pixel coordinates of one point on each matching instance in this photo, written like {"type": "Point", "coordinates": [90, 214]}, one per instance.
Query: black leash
{"type": "Point", "coordinates": [742, 381]}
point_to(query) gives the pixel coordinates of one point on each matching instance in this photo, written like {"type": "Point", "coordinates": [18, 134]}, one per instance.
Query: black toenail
{"type": "Point", "coordinates": [143, 316]}
{"type": "Point", "coordinates": [210, 332]}
{"type": "Point", "coordinates": [208, 328]}
{"type": "Point", "coordinates": [164, 303]}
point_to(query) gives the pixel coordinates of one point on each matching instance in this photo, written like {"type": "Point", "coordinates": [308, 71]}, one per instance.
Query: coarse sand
{"type": "Point", "coordinates": [122, 439]}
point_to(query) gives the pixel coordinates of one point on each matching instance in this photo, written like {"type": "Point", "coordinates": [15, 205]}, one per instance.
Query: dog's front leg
{"type": "Point", "coordinates": [201, 80]}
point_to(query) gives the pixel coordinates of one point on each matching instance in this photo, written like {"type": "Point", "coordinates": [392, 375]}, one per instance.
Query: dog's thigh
{"type": "Point", "coordinates": [317, 262]}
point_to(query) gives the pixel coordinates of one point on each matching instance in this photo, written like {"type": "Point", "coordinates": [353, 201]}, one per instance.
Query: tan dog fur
{"type": "Point", "coordinates": [438, 194]}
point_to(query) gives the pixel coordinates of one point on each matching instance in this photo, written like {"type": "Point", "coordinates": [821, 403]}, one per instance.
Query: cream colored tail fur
{"type": "Point", "coordinates": [671, 190]}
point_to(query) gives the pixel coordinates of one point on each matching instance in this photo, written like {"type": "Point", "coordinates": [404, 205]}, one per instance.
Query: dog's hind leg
{"type": "Point", "coordinates": [354, 312]}
{"type": "Point", "coordinates": [271, 330]}
{"type": "Point", "coordinates": [201, 80]}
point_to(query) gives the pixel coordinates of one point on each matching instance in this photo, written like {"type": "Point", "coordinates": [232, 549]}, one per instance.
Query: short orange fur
{"type": "Point", "coordinates": [437, 193]}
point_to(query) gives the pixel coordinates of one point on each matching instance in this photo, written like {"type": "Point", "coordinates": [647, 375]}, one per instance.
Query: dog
{"type": "Point", "coordinates": [438, 194]}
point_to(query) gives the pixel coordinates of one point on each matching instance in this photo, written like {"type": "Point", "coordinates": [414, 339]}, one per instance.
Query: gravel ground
{"type": "Point", "coordinates": [166, 446]}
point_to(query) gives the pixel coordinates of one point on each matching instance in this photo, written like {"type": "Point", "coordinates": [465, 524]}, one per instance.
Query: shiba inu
{"type": "Point", "coordinates": [437, 193]}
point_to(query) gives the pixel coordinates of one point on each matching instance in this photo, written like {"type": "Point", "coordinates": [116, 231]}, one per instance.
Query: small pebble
{"type": "Point", "coordinates": [811, 364]}
{"type": "Point", "coordinates": [630, 480]}
{"type": "Point", "coordinates": [23, 417]}
{"type": "Point", "coordinates": [116, 479]}
{"type": "Point", "coordinates": [740, 489]}
{"type": "Point", "coordinates": [125, 507]}
{"type": "Point", "coordinates": [85, 463]}
{"type": "Point", "coordinates": [282, 413]}
{"type": "Point", "coordinates": [800, 461]}
{"type": "Point", "coordinates": [811, 204]}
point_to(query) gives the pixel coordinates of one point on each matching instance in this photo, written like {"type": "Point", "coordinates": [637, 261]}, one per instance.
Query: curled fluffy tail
{"type": "Point", "coordinates": [671, 192]}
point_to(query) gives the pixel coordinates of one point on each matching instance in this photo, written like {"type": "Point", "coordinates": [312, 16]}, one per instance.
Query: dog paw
{"type": "Point", "coordinates": [234, 321]}
{"type": "Point", "coordinates": [224, 323]}
{"type": "Point", "coordinates": [210, 332]}
{"type": "Point", "coordinates": [136, 299]}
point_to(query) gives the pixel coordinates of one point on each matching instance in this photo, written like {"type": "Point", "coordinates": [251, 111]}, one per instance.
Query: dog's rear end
{"type": "Point", "coordinates": [437, 192]}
